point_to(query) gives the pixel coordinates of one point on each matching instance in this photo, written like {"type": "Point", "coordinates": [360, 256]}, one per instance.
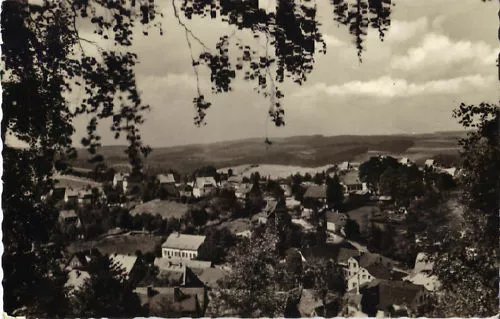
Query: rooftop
{"type": "Point", "coordinates": [205, 181]}
{"type": "Point", "coordinates": [183, 241]}
{"type": "Point", "coordinates": [316, 191]}
{"type": "Point", "coordinates": [125, 261]}
{"type": "Point", "coordinates": [166, 179]}
{"type": "Point", "coordinates": [336, 218]}
{"type": "Point", "coordinates": [67, 214]}
{"type": "Point", "coordinates": [350, 178]}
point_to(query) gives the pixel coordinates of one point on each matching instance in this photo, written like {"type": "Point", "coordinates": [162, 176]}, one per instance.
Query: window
{"type": "Point", "coordinates": [364, 276]}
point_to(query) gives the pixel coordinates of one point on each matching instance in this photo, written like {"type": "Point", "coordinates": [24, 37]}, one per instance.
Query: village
{"type": "Point", "coordinates": [171, 234]}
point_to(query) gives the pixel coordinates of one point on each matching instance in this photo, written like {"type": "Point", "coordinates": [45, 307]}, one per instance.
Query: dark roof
{"type": "Point", "coordinates": [164, 303]}
{"type": "Point", "coordinates": [336, 218]}
{"type": "Point", "coordinates": [394, 292]}
{"type": "Point", "coordinates": [345, 253]}
{"type": "Point", "coordinates": [316, 191]}
{"type": "Point", "coordinates": [330, 251]}
{"type": "Point", "coordinates": [377, 265]}
{"type": "Point", "coordinates": [81, 256]}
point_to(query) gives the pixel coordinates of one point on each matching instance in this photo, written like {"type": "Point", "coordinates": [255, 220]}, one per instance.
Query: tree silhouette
{"type": "Point", "coordinates": [44, 58]}
{"type": "Point", "coordinates": [466, 261]}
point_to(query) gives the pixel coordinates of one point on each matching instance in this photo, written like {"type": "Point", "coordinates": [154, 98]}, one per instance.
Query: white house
{"type": "Point", "coordinates": [405, 161]}
{"type": "Point", "coordinates": [352, 183]}
{"type": "Point", "coordinates": [204, 186]}
{"type": "Point", "coordinates": [71, 196]}
{"type": "Point", "coordinates": [366, 268]}
{"type": "Point", "coordinates": [127, 263]}
{"type": "Point", "coordinates": [335, 222]}
{"type": "Point", "coordinates": [429, 163]}
{"type": "Point", "coordinates": [69, 218]}
{"type": "Point", "coordinates": [420, 275]}
{"type": "Point", "coordinates": [182, 246]}
{"type": "Point", "coordinates": [120, 180]}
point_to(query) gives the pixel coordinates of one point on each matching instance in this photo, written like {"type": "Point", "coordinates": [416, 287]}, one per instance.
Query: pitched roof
{"type": "Point", "coordinates": [374, 264]}
{"type": "Point", "coordinates": [316, 191]}
{"type": "Point", "coordinates": [67, 214]}
{"type": "Point", "coordinates": [70, 192]}
{"type": "Point", "coordinates": [344, 166]}
{"type": "Point", "coordinates": [394, 292]}
{"type": "Point", "coordinates": [120, 176]}
{"type": "Point", "coordinates": [336, 218]}
{"type": "Point", "coordinates": [211, 276]}
{"type": "Point", "coordinates": [166, 179]}
{"type": "Point", "coordinates": [76, 279]}
{"type": "Point", "coordinates": [124, 261]}
{"type": "Point", "coordinates": [235, 179]}
{"type": "Point", "coordinates": [205, 181]}
{"type": "Point", "coordinates": [429, 162]}
{"type": "Point", "coordinates": [345, 253]}
{"type": "Point", "coordinates": [183, 241]}
{"type": "Point", "coordinates": [350, 178]}
{"type": "Point", "coordinates": [270, 206]}
{"type": "Point", "coordinates": [244, 188]}
{"type": "Point", "coordinates": [164, 302]}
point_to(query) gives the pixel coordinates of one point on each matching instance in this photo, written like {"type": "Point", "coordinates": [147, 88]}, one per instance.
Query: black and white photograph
{"type": "Point", "coordinates": [250, 158]}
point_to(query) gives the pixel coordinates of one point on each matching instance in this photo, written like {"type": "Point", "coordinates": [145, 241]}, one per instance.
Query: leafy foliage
{"type": "Point", "coordinates": [466, 261]}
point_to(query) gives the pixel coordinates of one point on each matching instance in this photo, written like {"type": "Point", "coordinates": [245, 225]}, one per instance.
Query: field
{"type": "Point", "coordinates": [122, 244]}
{"type": "Point", "coordinates": [301, 151]}
{"type": "Point", "coordinates": [166, 209]}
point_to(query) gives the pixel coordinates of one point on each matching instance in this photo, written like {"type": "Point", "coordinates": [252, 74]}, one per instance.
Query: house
{"type": "Point", "coordinates": [127, 263]}
{"type": "Point", "coordinates": [287, 190]}
{"type": "Point", "coordinates": [69, 218]}
{"type": "Point", "coordinates": [120, 181]}
{"type": "Point", "coordinates": [405, 161]}
{"type": "Point", "coordinates": [234, 180]}
{"type": "Point", "coordinates": [173, 302]}
{"type": "Point", "coordinates": [316, 192]}
{"type": "Point", "coordinates": [185, 191]}
{"type": "Point", "coordinates": [243, 190]}
{"type": "Point", "coordinates": [421, 273]}
{"type": "Point", "coordinates": [429, 163]}
{"type": "Point", "coordinates": [452, 171]}
{"type": "Point", "coordinates": [352, 184]}
{"type": "Point", "coordinates": [85, 197]}
{"type": "Point", "coordinates": [335, 222]}
{"type": "Point", "coordinates": [58, 194]}
{"type": "Point", "coordinates": [367, 267]}
{"type": "Point", "coordinates": [204, 186]}
{"type": "Point", "coordinates": [71, 196]}
{"type": "Point", "coordinates": [166, 179]}
{"type": "Point", "coordinates": [76, 280]}
{"type": "Point", "coordinates": [345, 166]}
{"type": "Point", "coordinates": [79, 260]}
{"type": "Point", "coordinates": [266, 213]}
{"type": "Point", "coordinates": [388, 298]}
{"type": "Point", "coordinates": [182, 246]}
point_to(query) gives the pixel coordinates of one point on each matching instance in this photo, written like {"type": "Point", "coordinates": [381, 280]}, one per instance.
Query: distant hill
{"type": "Point", "coordinates": [305, 151]}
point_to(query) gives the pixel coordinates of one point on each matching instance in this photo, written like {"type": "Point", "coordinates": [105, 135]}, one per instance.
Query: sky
{"type": "Point", "coordinates": [436, 54]}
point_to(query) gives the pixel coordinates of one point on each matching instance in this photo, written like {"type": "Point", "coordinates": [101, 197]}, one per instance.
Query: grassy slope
{"type": "Point", "coordinates": [309, 151]}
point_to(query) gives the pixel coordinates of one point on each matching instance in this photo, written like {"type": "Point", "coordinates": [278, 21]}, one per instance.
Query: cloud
{"type": "Point", "coordinates": [438, 50]}
{"type": "Point", "coordinates": [387, 87]}
{"type": "Point", "coordinates": [400, 31]}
